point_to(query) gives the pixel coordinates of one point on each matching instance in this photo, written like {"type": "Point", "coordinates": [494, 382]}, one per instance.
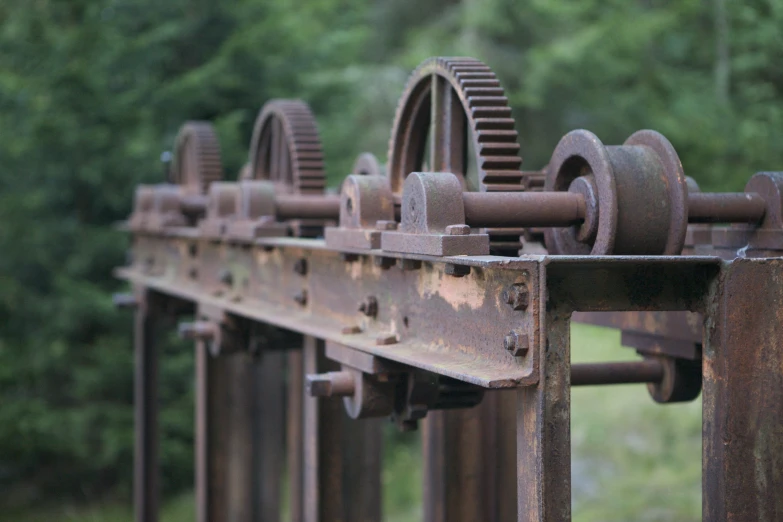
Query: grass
{"type": "Point", "coordinates": [632, 459]}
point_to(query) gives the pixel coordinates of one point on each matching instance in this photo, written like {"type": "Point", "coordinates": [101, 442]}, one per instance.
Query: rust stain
{"type": "Point", "coordinates": [458, 292]}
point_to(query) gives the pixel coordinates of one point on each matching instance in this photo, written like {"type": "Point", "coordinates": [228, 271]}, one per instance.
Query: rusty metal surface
{"type": "Point", "coordinates": [404, 313]}
{"type": "Point", "coordinates": [341, 478]}
{"type": "Point", "coordinates": [295, 433]}
{"type": "Point", "coordinates": [743, 394]}
{"type": "Point", "coordinates": [414, 305]}
{"type": "Point", "coordinates": [650, 370]}
{"type": "Point", "coordinates": [146, 489]}
{"type": "Point", "coordinates": [469, 462]}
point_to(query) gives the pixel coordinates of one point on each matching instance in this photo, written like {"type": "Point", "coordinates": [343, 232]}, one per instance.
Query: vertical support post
{"type": "Point", "coordinates": [239, 437]}
{"type": "Point", "coordinates": [544, 429]}
{"type": "Point", "coordinates": [322, 478]}
{"type": "Point", "coordinates": [469, 464]}
{"type": "Point", "coordinates": [146, 466]}
{"type": "Point", "coordinates": [210, 423]}
{"type": "Point", "coordinates": [742, 417]}
{"type": "Point", "coordinates": [362, 447]}
{"type": "Point", "coordinates": [294, 436]}
{"type": "Point", "coordinates": [269, 434]}
{"type": "Point", "coordinates": [342, 465]}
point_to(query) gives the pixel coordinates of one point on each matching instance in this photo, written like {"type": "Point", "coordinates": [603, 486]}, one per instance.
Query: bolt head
{"type": "Point", "coordinates": [386, 225]}
{"type": "Point", "coordinates": [226, 277]}
{"type": "Point", "coordinates": [517, 295]}
{"type": "Point", "coordinates": [516, 343]}
{"type": "Point", "coordinates": [458, 230]}
{"type": "Point", "coordinates": [386, 340]}
{"type": "Point", "coordinates": [301, 297]}
{"type": "Point", "coordinates": [300, 267]}
{"type": "Point", "coordinates": [369, 306]}
{"type": "Point", "coordinates": [409, 264]}
{"type": "Point", "coordinates": [457, 270]}
{"type": "Point", "coordinates": [384, 262]}
{"type": "Point", "coordinates": [349, 258]}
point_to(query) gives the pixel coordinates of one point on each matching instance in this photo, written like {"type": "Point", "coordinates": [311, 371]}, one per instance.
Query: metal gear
{"type": "Point", "coordinates": [468, 104]}
{"type": "Point", "coordinates": [367, 164]}
{"type": "Point", "coordinates": [196, 161]}
{"type": "Point", "coordinates": [286, 148]}
{"type": "Point", "coordinates": [457, 104]}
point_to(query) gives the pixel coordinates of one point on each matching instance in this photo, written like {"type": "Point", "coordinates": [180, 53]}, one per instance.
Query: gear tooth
{"type": "Point", "coordinates": [495, 148]}
{"type": "Point", "coordinates": [497, 135]}
{"type": "Point", "coordinates": [503, 177]}
{"type": "Point", "coordinates": [478, 75]}
{"type": "Point", "coordinates": [471, 92]}
{"type": "Point", "coordinates": [493, 124]}
{"type": "Point", "coordinates": [493, 83]}
{"type": "Point", "coordinates": [492, 112]}
{"type": "Point", "coordinates": [488, 101]}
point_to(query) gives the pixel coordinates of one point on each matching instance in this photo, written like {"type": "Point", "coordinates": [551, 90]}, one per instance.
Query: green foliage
{"type": "Point", "coordinates": [92, 91]}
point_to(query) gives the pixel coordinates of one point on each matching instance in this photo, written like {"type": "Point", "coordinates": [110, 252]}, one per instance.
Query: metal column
{"type": "Point", "coordinates": [544, 430]}
{"type": "Point", "coordinates": [742, 477]}
{"type": "Point", "coordinates": [341, 478]}
{"type": "Point", "coordinates": [469, 462]}
{"type": "Point", "coordinates": [146, 465]}
{"type": "Point", "coordinates": [239, 436]}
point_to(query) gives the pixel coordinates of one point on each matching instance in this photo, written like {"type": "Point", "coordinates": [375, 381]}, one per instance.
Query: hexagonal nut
{"type": "Point", "coordinates": [517, 295]}
{"type": "Point", "coordinates": [383, 224]}
{"type": "Point", "coordinates": [516, 343]}
{"type": "Point", "coordinates": [458, 230]}
{"type": "Point", "coordinates": [369, 306]}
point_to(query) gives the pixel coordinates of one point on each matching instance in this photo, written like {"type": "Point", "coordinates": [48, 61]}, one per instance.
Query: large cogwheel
{"type": "Point", "coordinates": [286, 148]}
{"type": "Point", "coordinates": [196, 161]}
{"type": "Point", "coordinates": [457, 106]}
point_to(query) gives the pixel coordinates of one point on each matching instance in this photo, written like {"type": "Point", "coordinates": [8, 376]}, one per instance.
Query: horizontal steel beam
{"type": "Point", "coordinates": [472, 318]}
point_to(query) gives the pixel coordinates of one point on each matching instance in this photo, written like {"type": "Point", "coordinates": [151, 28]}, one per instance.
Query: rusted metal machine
{"type": "Point", "coordinates": [438, 290]}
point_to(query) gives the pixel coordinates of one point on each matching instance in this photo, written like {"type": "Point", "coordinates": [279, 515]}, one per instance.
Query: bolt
{"type": "Point", "coordinates": [197, 330]}
{"type": "Point", "coordinates": [457, 270]}
{"type": "Point", "coordinates": [517, 295]}
{"type": "Point", "coordinates": [516, 343]}
{"type": "Point", "coordinates": [409, 264]}
{"type": "Point", "coordinates": [369, 306]}
{"type": "Point", "coordinates": [349, 258]}
{"type": "Point", "coordinates": [226, 277]}
{"type": "Point", "coordinates": [301, 297]}
{"type": "Point", "coordinates": [332, 384]}
{"type": "Point", "coordinates": [351, 330]}
{"type": "Point", "coordinates": [124, 300]}
{"type": "Point", "coordinates": [458, 230]}
{"type": "Point", "coordinates": [384, 262]}
{"type": "Point", "coordinates": [300, 267]}
{"type": "Point", "coordinates": [385, 340]}
{"type": "Point", "coordinates": [409, 425]}
{"type": "Point", "coordinates": [383, 224]}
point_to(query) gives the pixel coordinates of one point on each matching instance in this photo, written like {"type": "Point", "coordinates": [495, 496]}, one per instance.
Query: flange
{"type": "Point", "coordinates": [636, 195]}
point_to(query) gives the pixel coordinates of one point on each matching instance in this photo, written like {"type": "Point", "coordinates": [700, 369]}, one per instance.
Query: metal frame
{"type": "Point", "coordinates": [455, 327]}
